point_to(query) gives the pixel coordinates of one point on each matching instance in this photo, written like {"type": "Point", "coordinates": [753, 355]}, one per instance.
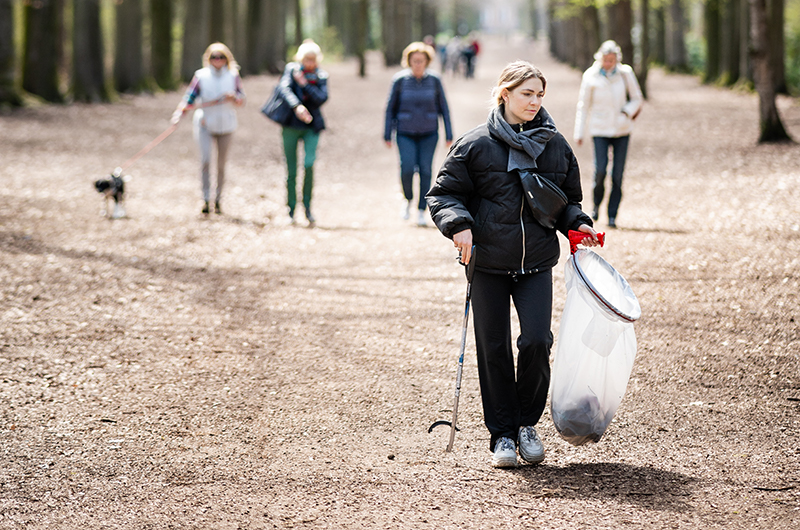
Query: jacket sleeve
{"type": "Point", "coordinates": [391, 109]}
{"type": "Point", "coordinates": [317, 93]}
{"type": "Point", "coordinates": [584, 106]}
{"type": "Point", "coordinates": [635, 97]}
{"type": "Point", "coordinates": [444, 110]}
{"type": "Point", "coordinates": [285, 86]}
{"type": "Point", "coordinates": [572, 217]}
{"type": "Point", "coordinates": [448, 197]}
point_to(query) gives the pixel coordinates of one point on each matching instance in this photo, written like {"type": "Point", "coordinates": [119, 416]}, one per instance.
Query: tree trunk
{"type": "Point", "coordinates": [589, 36]}
{"type": "Point", "coordinates": [128, 71]}
{"type": "Point", "coordinates": [745, 64]}
{"type": "Point", "coordinates": [771, 127]}
{"type": "Point", "coordinates": [677, 58]}
{"type": "Point", "coordinates": [397, 22]}
{"type": "Point", "coordinates": [298, 22]}
{"type": "Point", "coordinates": [620, 21]}
{"type": "Point", "coordinates": [429, 18]}
{"type": "Point", "coordinates": [8, 91]}
{"type": "Point", "coordinates": [777, 48]}
{"type": "Point", "coordinates": [275, 24]}
{"type": "Point", "coordinates": [40, 57]}
{"type": "Point", "coordinates": [644, 61]}
{"type": "Point", "coordinates": [161, 67]}
{"type": "Point", "coordinates": [660, 37]}
{"type": "Point", "coordinates": [219, 15]}
{"type": "Point", "coordinates": [196, 37]}
{"type": "Point", "coordinates": [88, 78]}
{"type": "Point", "coordinates": [711, 15]}
{"type": "Point", "coordinates": [253, 57]}
{"type": "Point", "coordinates": [729, 45]}
{"type": "Point", "coordinates": [362, 35]}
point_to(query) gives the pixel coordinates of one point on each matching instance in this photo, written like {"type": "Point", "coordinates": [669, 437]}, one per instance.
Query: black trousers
{"type": "Point", "coordinates": [511, 397]}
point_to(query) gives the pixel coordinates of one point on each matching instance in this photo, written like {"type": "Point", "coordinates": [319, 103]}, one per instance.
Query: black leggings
{"type": "Point", "coordinates": [510, 400]}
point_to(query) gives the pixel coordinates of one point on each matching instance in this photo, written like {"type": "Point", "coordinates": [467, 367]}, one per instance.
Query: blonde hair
{"type": "Point", "coordinates": [308, 47]}
{"type": "Point", "coordinates": [218, 47]}
{"type": "Point", "coordinates": [512, 76]}
{"type": "Point", "coordinates": [417, 47]}
{"type": "Point", "coordinates": [607, 48]}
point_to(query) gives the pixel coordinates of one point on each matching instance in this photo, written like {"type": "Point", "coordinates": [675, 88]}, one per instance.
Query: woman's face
{"type": "Point", "coordinates": [609, 62]}
{"type": "Point", "coordinates": [217, 59]}
{"type": "Point", "coordinates": [418, 62]}
{"type": "Point", "coordinates": [309, 62]}
{"type": "Point", "coordinates": [523, 102]}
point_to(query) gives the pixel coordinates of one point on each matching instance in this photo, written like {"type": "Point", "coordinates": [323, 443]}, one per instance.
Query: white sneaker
{"type": "Point", "coordinates": [421, 219]}
{"type": "Point", "coordinates": [505, 453]}
{"type": "Point", "coordinates": [530, 446]}
{"type": "Point", "coordinates": [405, 213]}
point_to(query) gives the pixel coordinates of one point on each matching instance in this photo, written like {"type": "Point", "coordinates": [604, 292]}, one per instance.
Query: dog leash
{"type": "Point", "coordinates": [160, 138]}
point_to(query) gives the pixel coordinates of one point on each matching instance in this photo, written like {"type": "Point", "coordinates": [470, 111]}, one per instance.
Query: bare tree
{"type": "Point", "coordinates": [361, 35]}
{"type": "Point", "coordinates": [41, 53]}
{"type": "Point", "coordinates": [88, 78]}
{"type": "Point", "coordinates": [128, 67]}
{"type": "Point", "coordinates": [770, 123]}
{"type": "Point", "coordinates": [161, 65]}
{"type": "Point", "coordinates": [8, 90]}
{"type": "Point", "coordinates": [196, 36]}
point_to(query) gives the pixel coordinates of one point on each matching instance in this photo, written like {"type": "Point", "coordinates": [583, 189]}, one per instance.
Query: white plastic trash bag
{"type": "Point", "coordinates": [596, 348]}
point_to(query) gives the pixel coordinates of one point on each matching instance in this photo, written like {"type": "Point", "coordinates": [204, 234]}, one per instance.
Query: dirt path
{"type": "Point", "coordinates": [171, 371]}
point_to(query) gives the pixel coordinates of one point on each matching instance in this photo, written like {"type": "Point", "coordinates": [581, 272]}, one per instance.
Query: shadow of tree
{"type": "Point", "coordinates": [643, 486]}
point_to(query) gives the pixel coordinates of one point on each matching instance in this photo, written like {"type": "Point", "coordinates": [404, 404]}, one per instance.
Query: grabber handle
{"type": "Point", "coordinates": [576, 238]}
{"type": "Point", "coordinates": [471, 265]}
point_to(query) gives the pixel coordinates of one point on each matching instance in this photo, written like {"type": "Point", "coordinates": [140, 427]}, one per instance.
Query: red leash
{"type": "Point", "coordinates": [145, 150]}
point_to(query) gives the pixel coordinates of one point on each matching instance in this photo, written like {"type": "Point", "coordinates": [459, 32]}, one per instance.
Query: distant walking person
{"type": "Point", "coordinates": [609, 101]}
{"type": "Point", "coordinates": [416, 101]}
{"type": "Point", "coordinates": [215, 92]}
{"type": "Point", "coordinates": [304, 86]}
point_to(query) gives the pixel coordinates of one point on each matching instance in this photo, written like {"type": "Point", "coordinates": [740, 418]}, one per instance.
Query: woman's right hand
{"type": "Point", "coordinates": [303, 114]}
{"type": "Point", "coordinates": [463, 242]}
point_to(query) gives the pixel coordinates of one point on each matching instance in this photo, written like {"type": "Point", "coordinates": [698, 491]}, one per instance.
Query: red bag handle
{"type": "Point", "coordinates": [576, 238]}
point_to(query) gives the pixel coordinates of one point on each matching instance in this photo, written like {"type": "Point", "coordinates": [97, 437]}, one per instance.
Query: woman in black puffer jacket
{"type": "Point", "coordinates": [478, 200]}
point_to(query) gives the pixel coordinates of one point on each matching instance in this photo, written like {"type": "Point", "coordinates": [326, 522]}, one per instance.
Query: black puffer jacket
{"type": "Point", "coordinates": [474, 190]}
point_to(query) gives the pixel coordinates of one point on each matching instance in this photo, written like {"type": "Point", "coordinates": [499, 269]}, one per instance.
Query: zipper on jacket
{"type": "Point", "coordinates": [522, 225]}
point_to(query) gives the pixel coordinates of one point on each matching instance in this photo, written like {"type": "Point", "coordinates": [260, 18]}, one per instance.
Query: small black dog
{"type": "Point", "coordinates": [112, 187]}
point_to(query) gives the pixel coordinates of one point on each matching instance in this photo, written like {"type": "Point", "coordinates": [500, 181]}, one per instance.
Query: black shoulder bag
{"type": "Point", "coordinates": [545, 199]}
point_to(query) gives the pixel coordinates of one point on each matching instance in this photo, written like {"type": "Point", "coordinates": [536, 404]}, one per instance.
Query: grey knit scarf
{"type": "Point", "coordinates": [526, 145]}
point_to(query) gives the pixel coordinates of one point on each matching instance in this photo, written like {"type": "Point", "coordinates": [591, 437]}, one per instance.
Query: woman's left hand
{"type": "Point", "coordinates": [592, 240]}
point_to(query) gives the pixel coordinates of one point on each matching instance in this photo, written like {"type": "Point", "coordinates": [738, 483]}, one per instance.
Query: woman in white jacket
{"type": "Point", "coordinates": [215, 92]}
{"type": "Point", "coordinates": [610, 99]}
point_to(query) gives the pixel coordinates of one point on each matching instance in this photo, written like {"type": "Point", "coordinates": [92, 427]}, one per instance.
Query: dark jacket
{"type": "Point", "coordinates": [415, 105]}
{"type": "Point", "coordinates": [313, 95]}
{"type": "Point", "coordinates": [474, 190]}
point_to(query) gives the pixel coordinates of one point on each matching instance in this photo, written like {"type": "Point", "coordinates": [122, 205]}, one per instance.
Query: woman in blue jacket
{"type": "Point", "coordinates": [416, 101]}
{"type": "Point", "coordinates": [304, 86]}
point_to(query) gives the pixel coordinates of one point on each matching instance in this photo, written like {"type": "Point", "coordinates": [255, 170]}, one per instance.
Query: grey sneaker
{"type": "Point", "coordinates": [530, 446]}
{"type": "Point", "coordinates": [505, 453]}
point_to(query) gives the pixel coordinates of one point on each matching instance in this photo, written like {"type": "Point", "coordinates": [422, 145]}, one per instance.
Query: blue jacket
{"type": "Point", "coordinates": [312, 96]}
{"type": "Point", "coordinates": [415, 105]}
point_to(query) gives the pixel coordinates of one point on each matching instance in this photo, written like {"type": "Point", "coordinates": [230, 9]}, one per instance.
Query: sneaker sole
{"type": "Point", "coordinates": [532, 459]}
{"type": "Point", "coordinates": [505, 462]}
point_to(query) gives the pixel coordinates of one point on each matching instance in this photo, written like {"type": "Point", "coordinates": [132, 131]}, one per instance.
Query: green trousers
{"type": "Point", "coordinates": [310, 138]}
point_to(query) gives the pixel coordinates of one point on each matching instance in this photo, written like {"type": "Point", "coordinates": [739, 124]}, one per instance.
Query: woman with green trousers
{"type": "Point", "coordinates": [304, 87]}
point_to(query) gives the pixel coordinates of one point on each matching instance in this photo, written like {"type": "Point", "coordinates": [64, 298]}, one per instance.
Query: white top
{"type": "Point", "coordinates": [213, 85]}
{"type": "Point", "coordinates": [606, 102]}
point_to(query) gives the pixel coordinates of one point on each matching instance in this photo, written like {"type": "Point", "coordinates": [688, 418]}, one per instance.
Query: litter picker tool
{"type": "Point", "coordinates": [470, 269]}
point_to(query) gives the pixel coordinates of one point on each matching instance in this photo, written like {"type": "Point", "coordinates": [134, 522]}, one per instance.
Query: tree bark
{"type": "Point", "coordinates": [677, 58]}
{"type": "Point", "coordinates": [128, 71]}
{"type": "Point", "coordinates": [161, 64]}
{"type": "Point", "coordinates": [8, 90]}
{"type": "Point", "coordinates": [219, 15]}
{"type": "Point", "coordinates": [771, 127]}
{"type": "Point", "coordinates": [41, 53]}
{"type": "Point", "coordinates": [196, 37]}
{"type": "Point", "coordinates": [644, 62]}
{"type": "Point", "coordinates": [297, 9]}
{"type": "Point", "coordinates": [362, 35]}
{"type": "Point", "coordinates": [88, 78]}
{"type": "Point", "coordinates": [275, 23]}
{"type": "Point", "coordinates": [660, 38]}
{"type": "Point", "coordinates": [620, 20]}
{"type": "Point", "coordinates": [711, 15]}
{"type": "Point", "coordinates": [777, 47]}
{"type": "Point", "coordinates": [729, 44]}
